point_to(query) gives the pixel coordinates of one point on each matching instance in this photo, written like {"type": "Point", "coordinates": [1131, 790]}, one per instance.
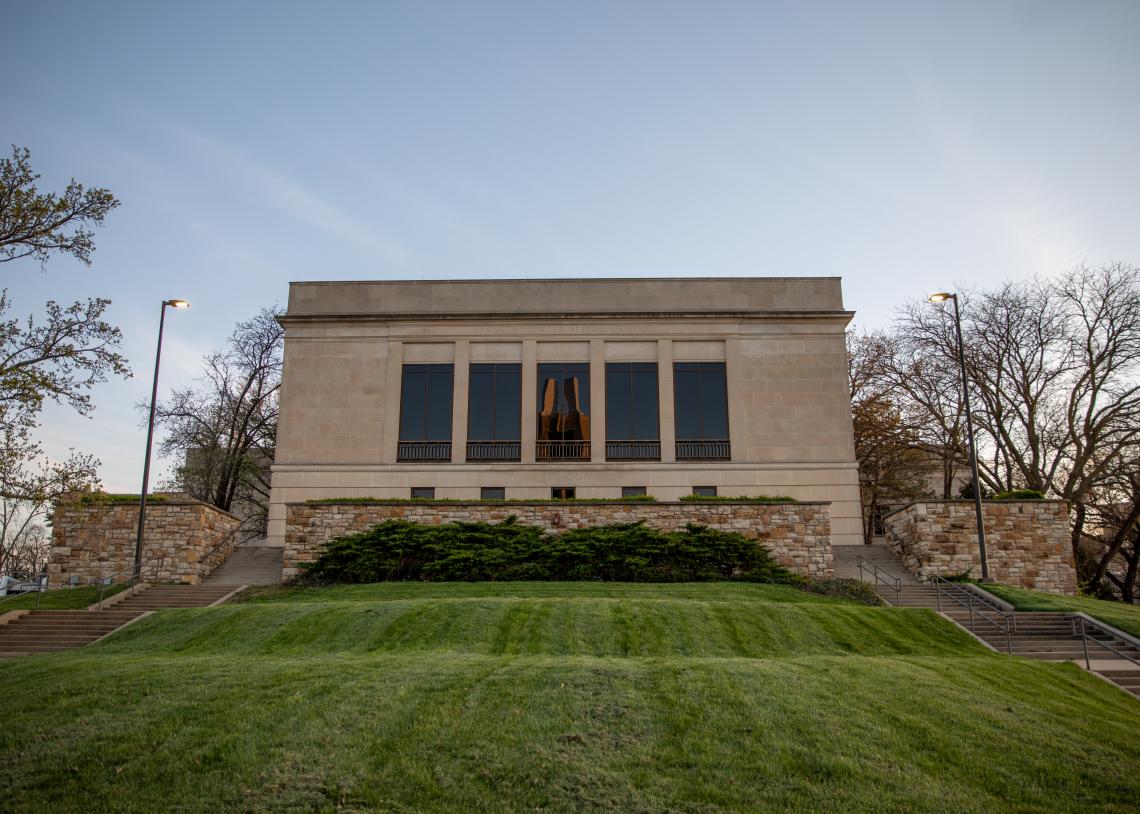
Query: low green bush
{"type": "Point", "coordinates": [1020, 494]}
{"type": "Point", "coordinates": [106, 497]}
{"type": "Point", "coordinates": [842, 588]}
{"type": "Point", "coordinates": [469, 552]}
{"type": "Point", "coordinates": [627, 499]}
{"type": "Point", "coordinates": [740, 499]}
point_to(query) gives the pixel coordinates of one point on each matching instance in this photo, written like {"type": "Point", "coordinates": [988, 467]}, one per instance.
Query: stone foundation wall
{"type": "Point", "coordinates": [797, 534]}
{"type": "Point", "coordinates": [96, 539]}
{"type": "Point", "coordinates": [1027, 541]}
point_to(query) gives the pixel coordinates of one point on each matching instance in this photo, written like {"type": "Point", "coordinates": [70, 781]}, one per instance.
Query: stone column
{"type": "Point", "coordinates": [529, 400]}
{"type": "Point", "coordinates": [391, 401]}
{"type": "Point", "coordinates": [734, 370]}
{"type": "Point", "coordinates": [665, 399]}
{"type": "Point", "coordinates": [597, 400]}
{"type": "Point", "coordinates": [459, 402]}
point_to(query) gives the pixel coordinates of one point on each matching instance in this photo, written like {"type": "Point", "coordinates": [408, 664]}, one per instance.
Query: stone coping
{"type": "Point", "coordinates": [165, 501]}
{"type": "Point", "coordinates": [970, 501]}
{"type": "Point", "coordinates": [557, 503]}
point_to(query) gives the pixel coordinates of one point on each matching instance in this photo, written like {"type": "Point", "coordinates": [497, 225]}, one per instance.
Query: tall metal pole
{"type": "Point", "coordinates": [149, 440]}
{"type": "Point", "coordinates": [973, 451]}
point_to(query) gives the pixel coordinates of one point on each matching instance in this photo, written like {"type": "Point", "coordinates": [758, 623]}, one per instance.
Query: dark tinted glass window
{"type": "Point", "coordinates": [564, 401]}
{"type": "Point", "coordinates": [494, 402]}
{"type": "Point", "coordinates": [425, 403]}
{"type": "Point", "coordinates": [632, 491]}
{"type": "Point", "coordinates": [493, 493]}
{"type": "Point", "coordinates": [631, 401]}
{"type": "Point", "coordinates": [562, 492]}
{"type": "Point", "coordinates": [700, 400]}
{"type": "Point", "coordinates": [705, 491]}
{"type": "Point", "coordinates": [427, 492]}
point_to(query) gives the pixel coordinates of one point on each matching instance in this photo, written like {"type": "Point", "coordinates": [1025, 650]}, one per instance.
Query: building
{"type": "Point", "coordinates": [524, 389]}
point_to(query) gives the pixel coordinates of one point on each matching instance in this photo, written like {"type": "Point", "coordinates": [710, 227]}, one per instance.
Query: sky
{"type": "Point", "coordinates": [903, 146]}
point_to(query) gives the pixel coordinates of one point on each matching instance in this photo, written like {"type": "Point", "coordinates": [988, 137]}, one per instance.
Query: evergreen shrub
{"type": "Point", "coordinates": [398, 550]}
{"type": "Point", "coordinates": [1020, 494]}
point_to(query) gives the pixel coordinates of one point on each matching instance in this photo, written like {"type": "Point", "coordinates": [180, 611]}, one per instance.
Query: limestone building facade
{"type": "Point", "coordinates": [587, 388]}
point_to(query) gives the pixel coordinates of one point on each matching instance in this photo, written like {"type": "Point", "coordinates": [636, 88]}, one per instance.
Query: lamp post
{"type": "Point", "coordinates": [150, 431]}
{"type": "Point", "coordinates": [941, 297]}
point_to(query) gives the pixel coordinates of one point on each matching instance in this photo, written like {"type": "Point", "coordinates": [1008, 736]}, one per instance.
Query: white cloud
{"type": "Point", "coordinates": [284, 193]}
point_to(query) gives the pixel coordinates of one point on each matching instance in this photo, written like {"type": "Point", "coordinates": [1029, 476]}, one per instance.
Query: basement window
{"type": "Point", "coordinates": [704, 491]}
{"type": "Point", "coordinates": [562, 492]}
{"type": "Point", "coordinates": [423, 492]}
{"type": "Point", "coordinates": [632, 491]}
{"type": "Point", "coordinates": [493, 493]}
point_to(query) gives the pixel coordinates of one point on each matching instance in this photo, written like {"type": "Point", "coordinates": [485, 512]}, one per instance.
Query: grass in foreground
{"type": "Point", "coordinates": [1118, 614]}
{"type": "Point", "coordinates": [567, 698]}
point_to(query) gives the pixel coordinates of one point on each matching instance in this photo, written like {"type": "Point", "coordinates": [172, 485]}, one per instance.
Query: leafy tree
{"type": "Point", "coordinates": [37, 224]}
{"type": "Point", "coordinates": [58, 356]}
{"type": "Point", "coordinates": [223, 429]}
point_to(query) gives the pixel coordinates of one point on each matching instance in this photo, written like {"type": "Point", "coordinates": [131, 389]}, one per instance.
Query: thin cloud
{"type": "Point", "coordinates": [289, 196]}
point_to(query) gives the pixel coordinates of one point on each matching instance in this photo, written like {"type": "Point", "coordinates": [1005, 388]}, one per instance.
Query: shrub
{"type": "Point", "coordinates": [851, 589]}
{"type": "Point", "coordinates": [399, 550]}
{"type": "Point", "coordinates": [106, 497]}
{"type": "Point", "coordinates": [740, 499]}
{"type": "Point", "coordinates": [627, 499]}
{"type": "Point", "coordinates": [1020, 494]}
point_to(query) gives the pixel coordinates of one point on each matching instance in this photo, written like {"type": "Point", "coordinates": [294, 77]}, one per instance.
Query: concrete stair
{"type": "Point", "coordinates": [1047, 636]}
{"type": "Point", "coordinates": [249, 564]}
{"type": "Point", "coordinates": [46, 631]}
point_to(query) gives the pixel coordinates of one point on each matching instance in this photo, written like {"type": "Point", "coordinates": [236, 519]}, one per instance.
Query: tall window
{"type": "Point", "coordinates": [700, 398]}
{"type": "Point", "coordinates": [494, 412]}
{"type": "Point", "coordinates": [563, 412]}
{"type": "Point", "coordinates": [425, 413]}
{"type": "Point", "coordinates": [632, 423]}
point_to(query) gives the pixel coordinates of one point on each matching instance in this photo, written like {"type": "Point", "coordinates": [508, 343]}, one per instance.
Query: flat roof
{"type": "Point", "coordinates": [589, 296]}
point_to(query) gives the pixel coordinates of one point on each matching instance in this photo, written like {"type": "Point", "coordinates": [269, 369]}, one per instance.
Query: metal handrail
{"type": "Point", "coordinates": [1085, 638]}
{"type": "Point", "coordinates": [104, 583]}
{"type": "Point", "coordinates": [131, 581]}
{"type": "Point", "coordinates": [40, 582]}
{"type": "Point", "coordinates": [1009, 620]}
{"type": "Point", "coordinates": [874, 569]}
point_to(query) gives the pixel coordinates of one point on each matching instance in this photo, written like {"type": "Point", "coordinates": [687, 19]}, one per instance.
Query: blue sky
{"type": "Point", "coordinates": [905, 146]}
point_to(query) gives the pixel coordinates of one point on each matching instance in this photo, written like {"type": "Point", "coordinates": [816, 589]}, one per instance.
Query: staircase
{"type": "Point", "coordinates": [249, 564]}
{"type": "Point", "coordinates": [45, 631]}
{"type": "Point", "coordinates": [1048, 636]}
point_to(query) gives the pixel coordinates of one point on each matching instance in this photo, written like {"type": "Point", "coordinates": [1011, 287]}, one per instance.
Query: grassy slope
{"type": "Point", "coordinates": [1118, 614]}
{"type": "Point", "coordinates": [521, 697]}
{"type": "Point", "coordinates": [60, 599]}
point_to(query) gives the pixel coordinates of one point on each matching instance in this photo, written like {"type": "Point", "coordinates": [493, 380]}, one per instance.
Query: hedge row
{"type": "Point", "coordinates": [399, 550]}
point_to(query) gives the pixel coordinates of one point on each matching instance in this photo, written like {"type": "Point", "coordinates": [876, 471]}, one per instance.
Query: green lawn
{"type": "Point", "coordinates": [1118, 614]}
{"type": "Point", "coordinates": [59, 598]}
{"type": "Point", "coordinates": [558, 697]}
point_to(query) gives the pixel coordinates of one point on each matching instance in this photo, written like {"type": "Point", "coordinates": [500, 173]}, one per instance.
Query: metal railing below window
{"type": "Point", "coordinates": [426, 451]}
{"type": "Point", "coordinates": [494, 450]}
{"type": "Point", "coordinates": [633, 450]}
{"type": "Point", "coordinates": [703, 450]}
{"type": "Point", "coordinates": [562, 450]}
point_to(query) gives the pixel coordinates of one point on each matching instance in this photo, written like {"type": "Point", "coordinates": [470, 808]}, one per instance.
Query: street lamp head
{"type": "Point", "coordinates": [178, 303]}
{"type": "Point", "coordinates": [942, 296]}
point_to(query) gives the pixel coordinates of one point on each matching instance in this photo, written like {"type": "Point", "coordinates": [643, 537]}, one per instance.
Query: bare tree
{"type": "Point", "coordinates": [223, 430]}
{"type": "Point", "coordinates": [1055, 369]}
{"type": "Point", "coordinates": [893, 462]}
{"type": "Point", "coordinates": [36, 224]}
{"type": "Point", "coordinates": [31, 490]}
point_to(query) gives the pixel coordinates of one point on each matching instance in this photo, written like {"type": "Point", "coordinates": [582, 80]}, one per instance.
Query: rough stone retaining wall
{"type": "Point", "coordinates": [96, 539]}
{"type": "Point", "coordinates": [797, 534]}
{"type": "Point", "coordinates": [1027, 541]}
